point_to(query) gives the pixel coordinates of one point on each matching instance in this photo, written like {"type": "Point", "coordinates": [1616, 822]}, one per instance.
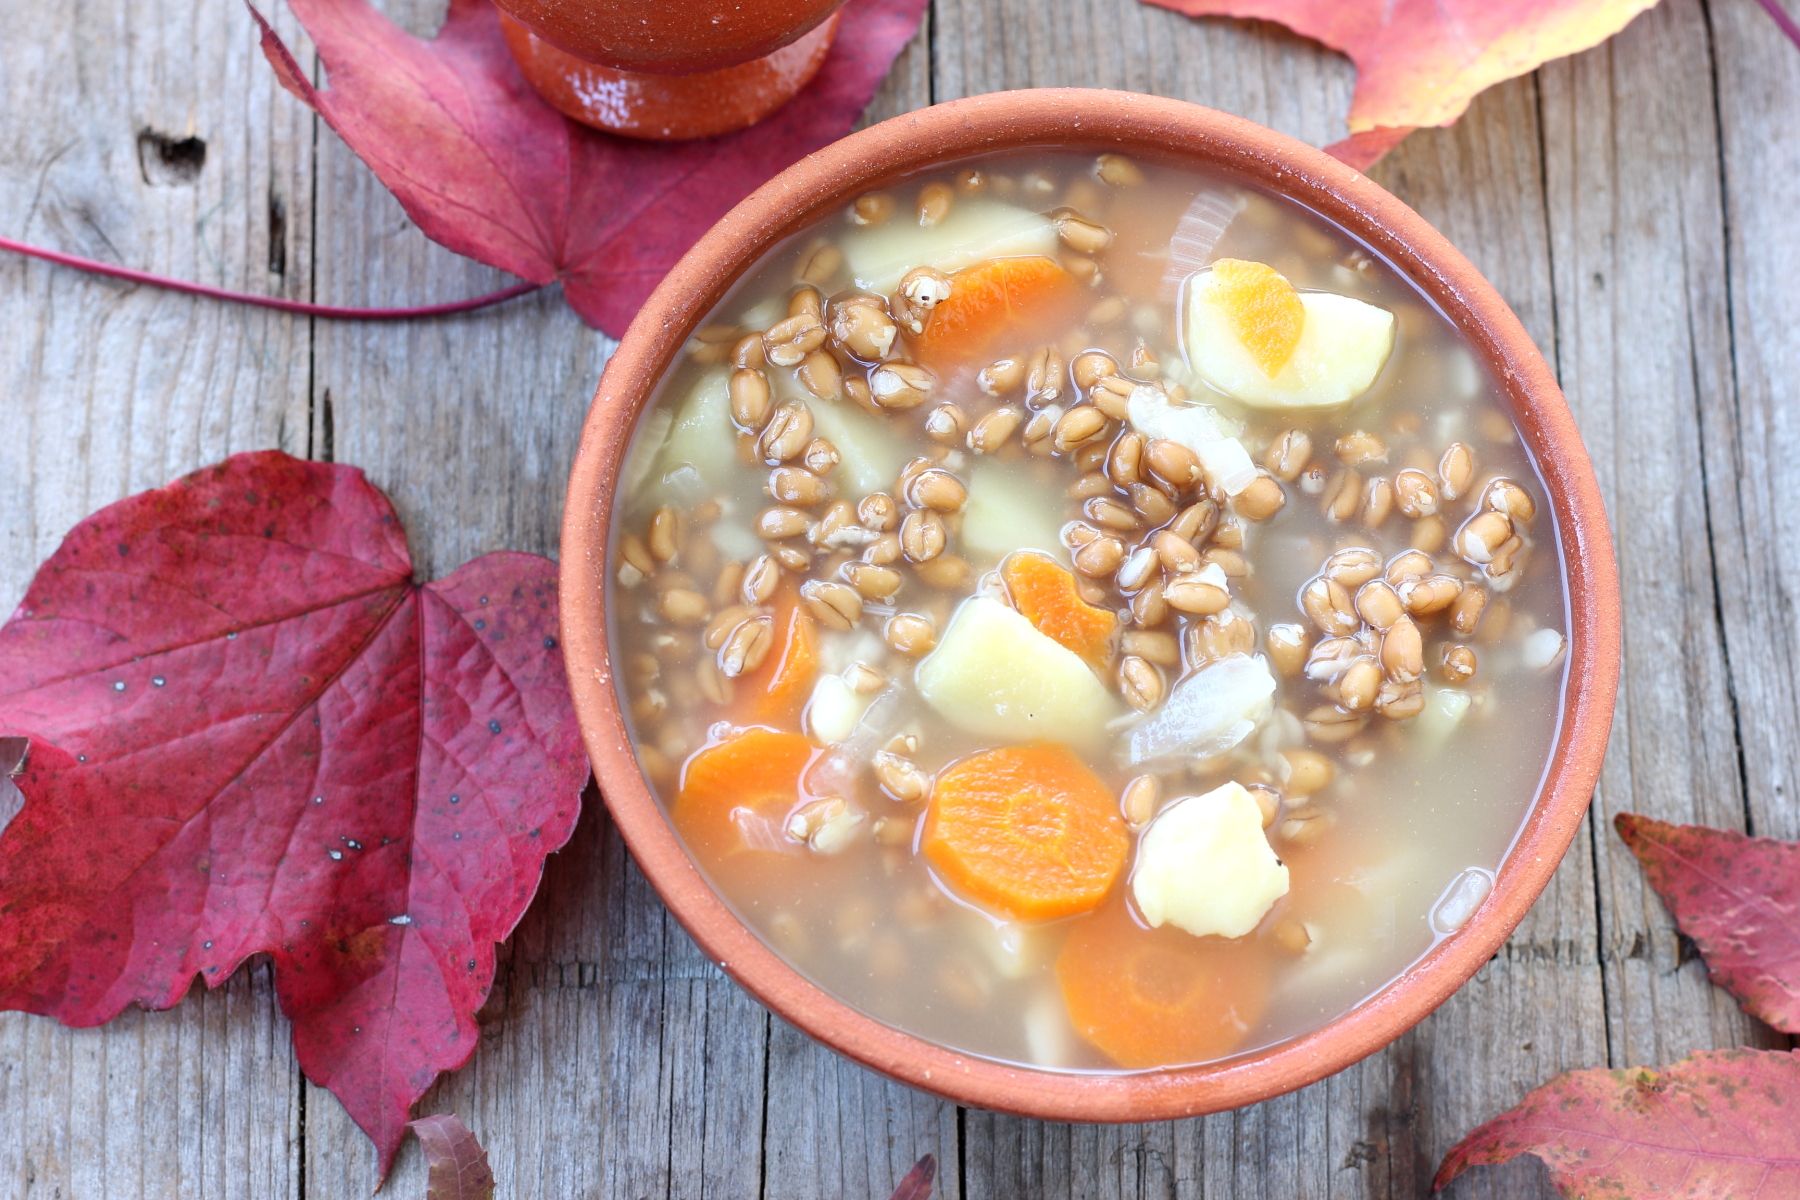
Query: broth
{"type": "Point", "coordinates": [799, 442]}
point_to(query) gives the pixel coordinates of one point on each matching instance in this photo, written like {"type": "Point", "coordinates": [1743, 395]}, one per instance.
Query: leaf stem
{"type": "Point", "coordinates": [302, 307]}
{"type": "Point", "coordinates": [1779, 15]}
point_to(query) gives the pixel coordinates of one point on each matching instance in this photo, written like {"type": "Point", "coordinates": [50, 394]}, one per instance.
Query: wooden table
{"type": "Point", "coordinates": [1637, 205]}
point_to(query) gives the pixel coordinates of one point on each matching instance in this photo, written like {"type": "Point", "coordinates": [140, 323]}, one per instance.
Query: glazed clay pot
{"type": "Point", "coordinates": [1151, 129]}
{"type": "Point", "coordinates": [653, 69]}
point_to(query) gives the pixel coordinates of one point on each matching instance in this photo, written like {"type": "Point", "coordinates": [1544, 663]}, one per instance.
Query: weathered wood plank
{"type": "Point", "coordinates": [467, 422]}
{"type": "Point", "coordinates": [105, 389]}
{"type": "Point", "coordinates": [674, 1102]}
{"type": "Point", "coordinates": [1637, 243]}
{"type": "Point", "coordinates": [1630, 206]}
{"type": "Point", "coordinates": [1751, 438]}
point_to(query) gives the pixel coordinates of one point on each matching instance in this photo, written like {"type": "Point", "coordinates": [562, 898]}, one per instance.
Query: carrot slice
{"type": "Point", "coordinates": [777, 690]}
{"type": "Point", "coordinates": [736, 794]}
{"type": "Point", "coordinates": [989, 299]}
{"type": "Point", "coordinates": [1027, 831]}
{"type": "Point", "coordinates": [1265, 310]}
{"type": "Point", "coordinates": [1046, 594]}
{"type": "Point", "coordinates": [1158, 997]}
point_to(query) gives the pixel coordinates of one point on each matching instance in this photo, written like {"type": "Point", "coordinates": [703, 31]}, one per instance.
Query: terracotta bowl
{"type": "Point", "coordinates": [1153, 129]}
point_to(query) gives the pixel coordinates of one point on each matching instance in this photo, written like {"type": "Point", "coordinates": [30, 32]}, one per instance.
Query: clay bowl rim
{"type": "Point", "coordinates": [1151, 128]}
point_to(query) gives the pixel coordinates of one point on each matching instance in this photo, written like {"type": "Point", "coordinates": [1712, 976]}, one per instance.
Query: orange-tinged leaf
{"type": "Point", "coordinates": [1265, 310]}
{"type": "Point", "coordinates": [1045, 593]}
{"type": "Point", "coordinates": [1420, 62]}
{"type": "Point", "coordinates": [1717, 1123]}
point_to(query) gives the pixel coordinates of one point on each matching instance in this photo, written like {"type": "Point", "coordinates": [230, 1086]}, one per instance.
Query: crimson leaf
{"type": "Point", "coordinates": [254, 733]}
{"type": "Point", "coordinates": [1739, 899]}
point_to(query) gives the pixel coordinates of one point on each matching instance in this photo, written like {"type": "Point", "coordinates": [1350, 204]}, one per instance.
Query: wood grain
{"type": "Point", "coordinates": [1634, 206]}
{"type": "Point", "coordinates": [106, 389]}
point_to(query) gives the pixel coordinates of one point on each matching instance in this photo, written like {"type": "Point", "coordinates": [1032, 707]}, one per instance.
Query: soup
{"type": "Point", "coordinates": [1087, 613]}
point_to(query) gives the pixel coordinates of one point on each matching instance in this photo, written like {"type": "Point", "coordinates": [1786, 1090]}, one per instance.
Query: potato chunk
{"type": "Point", "coordinates": [975, 230]}
{"type": "Point", "coordinates": [994, 675]}
{"type": "Point", "coordinates": [1343, 344]}
{"type": "Point", "coordinates": [1005, 511]}
{"type": "Point", "coordinates": [698, 453]}
{"type": "Point", "coordinates": [1204, 865]}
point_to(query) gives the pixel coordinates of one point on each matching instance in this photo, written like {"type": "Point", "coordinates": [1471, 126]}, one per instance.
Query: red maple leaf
{"type": "Point", "coordinates": [254, 733]}
{"type": "Point", "coordinates": [1716, 1124]}
{"type": "Point", "coordinates": [1739, 899]}
{"type": "Point", "coordinates": [493, 172]}
{"type": "Point", "coordinates": [1420, 62]}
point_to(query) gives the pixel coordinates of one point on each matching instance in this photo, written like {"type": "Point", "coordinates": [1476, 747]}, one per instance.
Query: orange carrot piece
{"type": "Point", "coordinates": [776, 691]}
{"type": "Point", "coordinates": [736, 794]}
{"type": "Point", "coordinates": [990, 299]}
{"type": "Point", "coordinates": [1028, 832]}
{"type": "Point", "coordinates": [1046, 594]}
{"type": "Point", "coordinates": [1266, 313]}
{"type": "Point", "coordinates": [1158, 997]}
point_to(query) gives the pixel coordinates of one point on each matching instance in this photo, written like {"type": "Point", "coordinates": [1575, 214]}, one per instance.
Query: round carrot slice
{"type": "Point", "coordinates": [1046, 595]}
{"type": "Point", "coordinates": [736, 794]}
{"type": "Point", "coordinates": [988, 300]}
{"type": "Point", "coordinates": [777, 690]}
{"type": "Point", "coordinates": [1158, 997]}
{"type": "Point", "coordinates": [1027, 831]}
{"type": "Point", "coordinates": [1265, 310]}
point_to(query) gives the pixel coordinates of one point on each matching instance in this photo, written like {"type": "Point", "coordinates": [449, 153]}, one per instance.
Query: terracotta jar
{"type": "Point", "coordinates": [666, 71]}
{"type": "Point", "coordinates": [1150, 129]}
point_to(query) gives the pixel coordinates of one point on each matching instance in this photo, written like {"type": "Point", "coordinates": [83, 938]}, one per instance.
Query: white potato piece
{"type": "Point", "coordinates": [1204, 866]}
{"type": "Point", "coordinates": [733, 538]}
{"type": "Point", "coordinates": [699, 454]}
{"type": "Point", "coordinates": [1200, 429]}
{"type": "Point", "coordinates": [1048, 1039]}
{"type": "Point", "coordinates": [1344, 342]}
{"type": "Point", "coordinates": [1006, 512]}
{"type": "Point", "coordinates": [995, 676]}
{"type": "Point", "coordinates": [833, 710]}
{"type": "Point", "coordinates": [1207, 713]}
{"type": "Point", "coordinates": [870, 455]}
{"type": "Point", "coordinates": [1445, 708]}
{"type": "Point", "coordinates": [975, 230]}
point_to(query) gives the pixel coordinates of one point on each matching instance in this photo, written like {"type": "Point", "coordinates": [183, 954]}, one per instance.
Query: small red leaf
{"type": "Point", "coordinates": [1718, 1123]}
{"type": "Point", "coordinates": [456, 1166]}
{"type": "Point", "coordinates": [253, 733]}
{"type": "Point", "coordinates": [916, 1185]}
{"type": "Point", "coordinates": [1739, 899]}
{"type": "Point", "coordinates": [492, 171]}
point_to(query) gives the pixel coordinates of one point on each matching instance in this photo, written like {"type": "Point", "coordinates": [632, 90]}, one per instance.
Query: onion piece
{"type": "Point", "coordinates": [1207, 713]}
{"type": "Point", "coordinates": [1200, 429]}
{"type": "Point", "coordinates": [834, 772]}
